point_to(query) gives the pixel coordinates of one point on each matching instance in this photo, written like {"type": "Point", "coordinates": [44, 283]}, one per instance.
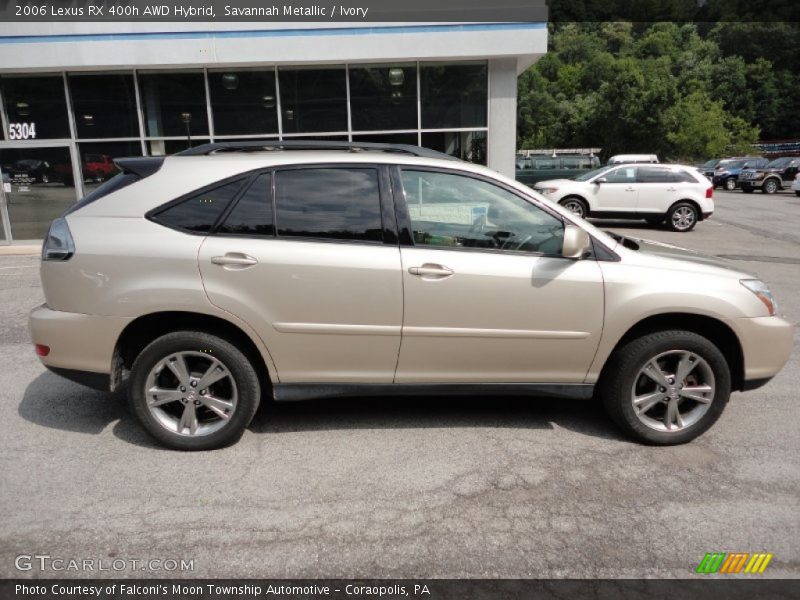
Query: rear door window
{"type": "Point", "coordinates": [329, 203]}
{"type": "Point", "coordinates": [252, 214]}
{"type": "Point", "coordinates": [656, 175]}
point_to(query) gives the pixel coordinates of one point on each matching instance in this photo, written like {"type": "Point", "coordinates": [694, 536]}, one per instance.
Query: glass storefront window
{"type": "Point", "coordinates": [167, 147]}
{"type": "Point", "coordinates": [174, 104]}
{"type": "Point", "coordinates": [313, 99]}
{"type": "Point", "coordinates": [42, 187]}
{"type": "Point", "coordinates": [453, 95]}
{"type": "Point", "coordinates": [388, 138]}
{"type": "Point", "coordinates": [466, 145]}
{"type": "Point", "coordinates": [97, 160]}
{"type": "Point", "coordinates": [383, 97]}
{"type": "Point", "coordinates": [243, 102]}
{"type": "Point", "coordinates": [36, 107]}
{"type": "Point", "coordinates": [104, 105]}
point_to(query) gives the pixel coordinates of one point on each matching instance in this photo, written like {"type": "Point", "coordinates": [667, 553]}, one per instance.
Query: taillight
{"type": "Point", "coordinates": [42, 350]}
{"type": "Point", "coordinates": [710, 192]}
{"type": "Point", "coordinates": [58, 245]}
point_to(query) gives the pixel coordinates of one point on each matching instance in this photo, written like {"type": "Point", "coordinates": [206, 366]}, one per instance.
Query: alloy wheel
{"type": "Point", "coordinates": [191, 393]}
{"type": "Point", "coordinates": [673, 390]}
{"type": "Point", "coordinates": [683, 218]}
{"type": "Point", "coordinates": [770, 187]}
{"type": "Point", "coordinates": [730, 184]}
{"type": "Point", "coordinates": [575, 207]}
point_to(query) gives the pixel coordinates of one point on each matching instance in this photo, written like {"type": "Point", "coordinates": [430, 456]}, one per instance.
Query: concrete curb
{"type": "Point", "coordinates": [20, 250]}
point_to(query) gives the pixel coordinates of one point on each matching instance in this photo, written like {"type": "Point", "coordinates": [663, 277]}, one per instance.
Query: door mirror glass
{"type": "Point", "coordinates": [600, 180]}
{"type": "Point", "coordinates": [576, 242]}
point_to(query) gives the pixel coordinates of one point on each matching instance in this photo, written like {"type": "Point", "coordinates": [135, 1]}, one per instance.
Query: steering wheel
{"type": "Point", "coordinates": [478, 229]}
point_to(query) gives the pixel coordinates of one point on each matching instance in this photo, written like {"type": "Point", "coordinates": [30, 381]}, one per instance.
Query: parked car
{"type": "Point", "coordinates": [771, 177]}
{"type": "Point", "coordinates": [796, 184]}
{"type": "Point", "coordinates": [621, 159]}
{"type": "Point", "coordinates": [676, 194]}
{"type": "Point", "coordinates": [537, 168]}
{"type": "Point", "coordinates": [41, 171]}
{"type": "Point", "coordinates": [98, 167]}
{"type": "Point", "coordinates": [709, 165]}
{"type": "Point", "coordinates": [726, 173]}
{"type": "Point", "coordinates": [296, 273]}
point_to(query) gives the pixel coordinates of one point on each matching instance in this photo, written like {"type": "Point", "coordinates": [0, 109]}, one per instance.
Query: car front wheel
{"type": "Point", "coordinates": [193, 391]}
{"type": "Point", "coordinates": [730, 184]}
{"type": "Point", "coordinates": [667, 387]}
{"type": "Point", "coordinates": [682, 217]}
{"type": "Point", "coordinates": [576, 206]}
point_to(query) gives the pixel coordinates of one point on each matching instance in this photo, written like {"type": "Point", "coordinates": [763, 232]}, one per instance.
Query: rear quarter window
{"type": "Point", "coordinates": [199, 212]}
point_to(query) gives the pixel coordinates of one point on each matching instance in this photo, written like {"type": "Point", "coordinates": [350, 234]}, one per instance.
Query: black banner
{"type": "Point", "coordinates": [396, 589]}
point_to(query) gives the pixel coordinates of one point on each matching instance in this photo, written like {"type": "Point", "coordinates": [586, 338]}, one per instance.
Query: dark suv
{"type": "Point", "coordinates": [771, 177]}
{"type": "Point", "coordinates": [534, 169]}
{"type": "Point", "coordinates": [726, 173]}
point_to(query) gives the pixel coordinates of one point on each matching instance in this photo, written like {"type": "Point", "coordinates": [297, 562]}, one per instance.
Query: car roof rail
{"type": "Point", "coordinates": [258, 146]}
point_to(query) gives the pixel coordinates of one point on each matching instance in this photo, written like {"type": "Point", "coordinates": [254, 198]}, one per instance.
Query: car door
{"type": "Point", "coordinates": [303, 257]}
{"type": "Point", "coordinates": [617, 192]}
{"type": "Point", "coordinates": [659, 187]}
{"type": "Point", "coordinates": [488, 297]}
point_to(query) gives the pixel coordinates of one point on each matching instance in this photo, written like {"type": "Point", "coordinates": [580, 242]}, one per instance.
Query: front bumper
{"type": "Point", "coordinates": [77, 342]}
{"type": "Point", "coordinates": [766, 344]}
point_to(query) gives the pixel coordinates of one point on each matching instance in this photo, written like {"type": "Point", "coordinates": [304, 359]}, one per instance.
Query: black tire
{"type": "Point", "coordinates": [622, 371]}
{"type": "Point", "coordinates": [675, 223]}
{"type": "Point", "coordinates": [797, 194]}
{"type": "Point", "coordinates": [770, 186]}
{"type": "Point", "coordinates": [747, 189]}
{"type": "Point", "coordinates": [248, 389]}
{"type": "Point", "coordinates": [45, 178]}
{"type": "Point", "coordinates": [576, 206]}
{"type": "Point", "coordinates": [730, 184]}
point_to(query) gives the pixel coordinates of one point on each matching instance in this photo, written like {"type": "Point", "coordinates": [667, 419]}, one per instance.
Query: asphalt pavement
{"type": "Point", "coordinates": [377, 487]}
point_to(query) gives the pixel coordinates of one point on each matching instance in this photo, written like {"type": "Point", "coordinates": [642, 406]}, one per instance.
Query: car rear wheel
{"type": "Point", "coordinates": [193, 391]}
{"type": "Point", "coordinates": [576, 206]}
{"type": "Point", "coordinates": [730, 184]}
{"type": "Point", "coordinates": [667, 387]}
{"type": "Point", "coordinates": [682, 217]}
{"type": "Point", "coordinates": [770, 186]}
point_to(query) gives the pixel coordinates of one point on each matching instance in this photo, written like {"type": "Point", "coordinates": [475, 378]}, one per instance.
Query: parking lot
{"type": "Point", "coordinates": [480, 487]}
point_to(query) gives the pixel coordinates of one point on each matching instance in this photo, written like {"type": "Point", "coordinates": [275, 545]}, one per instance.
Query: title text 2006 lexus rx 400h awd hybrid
{"type": "Point", "coordinates": [209, 280]}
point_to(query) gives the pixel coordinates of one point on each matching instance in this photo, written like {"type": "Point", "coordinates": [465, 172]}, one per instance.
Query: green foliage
{"type": "Point", "coordinates": [670, 88]}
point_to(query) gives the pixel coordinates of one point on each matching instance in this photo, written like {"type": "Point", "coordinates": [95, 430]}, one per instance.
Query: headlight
{"type": "Point", "coordinates": [760, 289]}
{"type": "Point", "coordinates": [548, 190]}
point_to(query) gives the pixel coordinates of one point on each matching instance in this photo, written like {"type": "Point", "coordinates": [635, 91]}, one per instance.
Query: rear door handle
{"type": "Point", "coordinates": [630, 189]}
{"type": "Point", "coordinates": [672, 189]}
{"type": "Point", "coordinates": [234, 260]}
{"type": "Point", "coordinates": [431, 270]}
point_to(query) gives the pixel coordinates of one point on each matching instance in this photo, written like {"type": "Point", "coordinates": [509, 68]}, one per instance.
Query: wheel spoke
{"type": "Point", "coordinates": [214, 373]}
{"type": "Point", "coordinates": [177, 365]}
{"type": "Point", "coordinates": [696, 392]}
{"type": "Point", "coordinates": [188, 419]}
{"type": "Point", "coordinates": [222, 408]}
{"type": "Point", "coordinates": [685, 366]}
{"type": "Point", "coordinates": [654, 372]}
{"type": "Point", "coordinates": [645, 402]}
{"type": "Point", "coordinates": [157, 396]}
{"type": "Point", "coordinates": [671, 414]}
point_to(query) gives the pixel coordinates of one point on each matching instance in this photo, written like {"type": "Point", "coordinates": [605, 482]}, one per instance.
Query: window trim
{"type": "Point", "coordinates": [404, 220]}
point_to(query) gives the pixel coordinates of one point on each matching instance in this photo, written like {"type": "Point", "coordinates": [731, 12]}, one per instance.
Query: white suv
{"type": "Point", "coordinates": [205, 281]}
{"type": "Point", "coordinates": [677, 194]}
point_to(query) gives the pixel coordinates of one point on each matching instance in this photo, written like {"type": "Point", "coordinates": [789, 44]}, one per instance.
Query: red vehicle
{"type": "Point", "coordinates": [98, 167]}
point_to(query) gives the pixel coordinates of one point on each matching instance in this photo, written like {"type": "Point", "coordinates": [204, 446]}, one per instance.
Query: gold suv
{"type": "Point", "coordinates": [209, 279]}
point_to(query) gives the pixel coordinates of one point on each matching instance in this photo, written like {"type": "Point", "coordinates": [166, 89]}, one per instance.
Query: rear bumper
{"type": "Point", "coordinates": [77, 342]}
{"type": "Point", "coordinates": [767, 344]}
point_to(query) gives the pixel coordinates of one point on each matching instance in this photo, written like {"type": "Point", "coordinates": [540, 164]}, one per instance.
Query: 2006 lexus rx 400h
{"type": "Point", "coordinates": [208, 280]}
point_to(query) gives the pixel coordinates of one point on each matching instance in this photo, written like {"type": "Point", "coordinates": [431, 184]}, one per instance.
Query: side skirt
{"type": "Point", "coordinates": [293, 392]}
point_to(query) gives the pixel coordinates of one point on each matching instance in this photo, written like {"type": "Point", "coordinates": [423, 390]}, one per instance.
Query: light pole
{"type": "Point", "coordinates": [187, 119]}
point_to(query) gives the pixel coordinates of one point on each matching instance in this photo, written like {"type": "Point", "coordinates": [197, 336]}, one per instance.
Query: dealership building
{"type": "Point", "coordinates": [74, 96]}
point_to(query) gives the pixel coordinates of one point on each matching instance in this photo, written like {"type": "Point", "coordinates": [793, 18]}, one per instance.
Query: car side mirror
{"type": "Point", "coordinates": [600, 180]}
{"type": "Point", "coordinates": [576, 242]}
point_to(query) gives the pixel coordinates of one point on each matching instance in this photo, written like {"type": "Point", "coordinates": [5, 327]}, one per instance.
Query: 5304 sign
{"type": "Point", "coordinates": [22, 131]}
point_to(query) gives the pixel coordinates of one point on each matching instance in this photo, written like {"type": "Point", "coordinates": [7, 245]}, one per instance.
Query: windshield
{"type": "Point", "coordinates": [731, 164]}
{"type": "Point", "coordinates": [711, 163]}
{"type": "Point", "coordinates": [779, 162]}
{"type": "Point", "coordinates": [590, 174]}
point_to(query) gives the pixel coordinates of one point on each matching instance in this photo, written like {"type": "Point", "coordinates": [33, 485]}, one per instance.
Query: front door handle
{"type": "Point", "coordinates": [234, 260]}
{"type": "Point", "coordinates": [431, 270]}
{"type": "Point", "coordinates": [630, 189]}
{"type": "Point", "coordinates": [672, 189]}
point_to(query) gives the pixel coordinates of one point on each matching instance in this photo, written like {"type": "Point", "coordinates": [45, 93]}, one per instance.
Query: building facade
{"type": "Point", "coordinates": [78, 95]}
